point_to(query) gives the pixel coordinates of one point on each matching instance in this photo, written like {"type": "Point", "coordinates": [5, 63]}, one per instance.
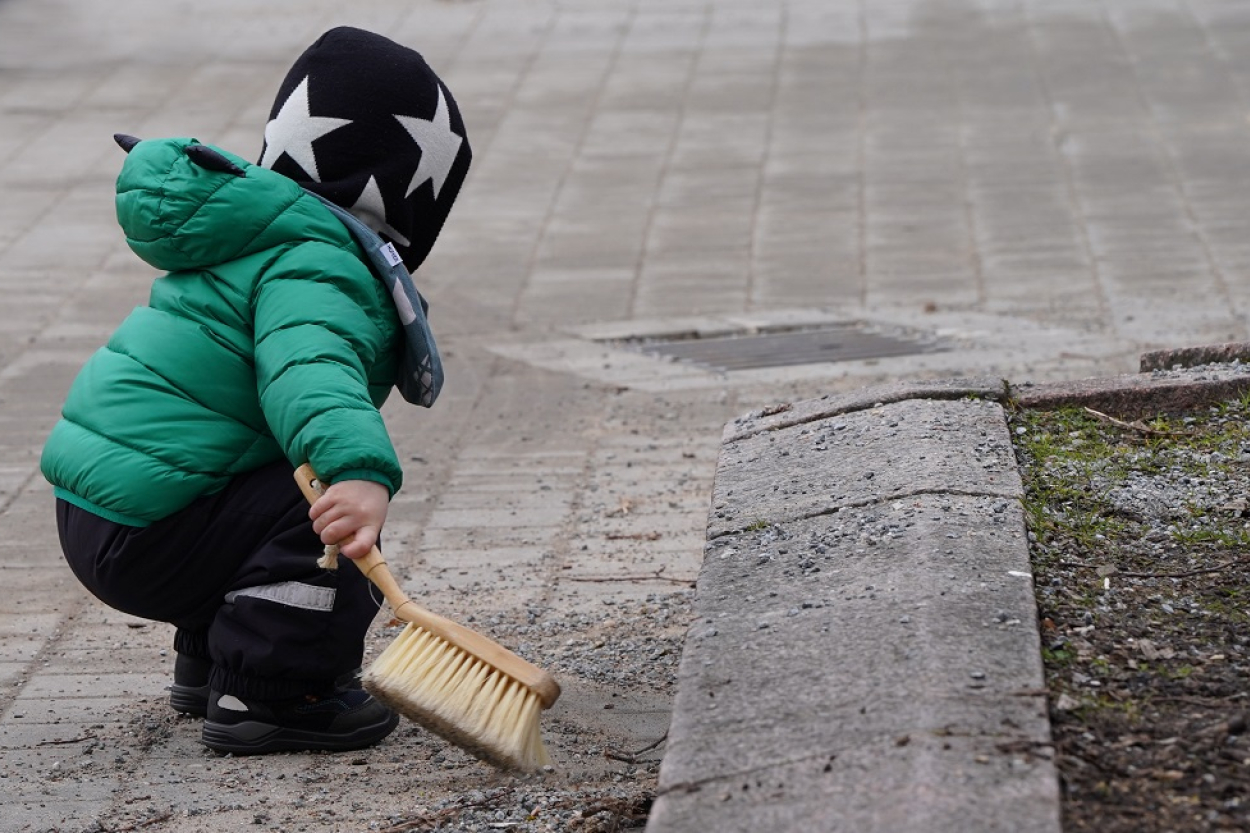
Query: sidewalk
{"type": "Point", "coordinates": [1030, 191]}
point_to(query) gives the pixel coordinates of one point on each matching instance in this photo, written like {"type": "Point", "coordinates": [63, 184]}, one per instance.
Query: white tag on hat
{"type": "Point", "coordinates": [392, 256]}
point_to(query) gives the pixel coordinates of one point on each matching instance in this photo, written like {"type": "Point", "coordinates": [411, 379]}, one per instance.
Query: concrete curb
{"type": "Point", "coordinates": [865, 653]}
{"type": "Point", "coordinates": [1134, 396]}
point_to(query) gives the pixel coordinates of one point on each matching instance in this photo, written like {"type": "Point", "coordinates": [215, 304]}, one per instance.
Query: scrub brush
{"type": "Point", "coordinates": [452, 680]}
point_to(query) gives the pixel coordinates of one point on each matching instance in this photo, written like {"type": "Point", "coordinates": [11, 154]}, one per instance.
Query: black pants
{"type": "Point", "coordinates": [236, 573]}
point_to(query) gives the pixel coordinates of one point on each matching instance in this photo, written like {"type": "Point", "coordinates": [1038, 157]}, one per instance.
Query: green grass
{"type": "Point", "coordinates": [1071, 455]}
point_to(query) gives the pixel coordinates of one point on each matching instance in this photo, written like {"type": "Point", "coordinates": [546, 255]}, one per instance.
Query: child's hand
{"type": "Point", "coordinates": [351, 514]}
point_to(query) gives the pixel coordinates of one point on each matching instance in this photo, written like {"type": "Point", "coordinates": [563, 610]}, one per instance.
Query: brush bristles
{"type": "Point", "coordinates": [461, 698]}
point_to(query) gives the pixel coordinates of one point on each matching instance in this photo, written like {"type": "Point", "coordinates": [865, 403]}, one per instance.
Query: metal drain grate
{"type": "Point", "coordinates": [785, 347]}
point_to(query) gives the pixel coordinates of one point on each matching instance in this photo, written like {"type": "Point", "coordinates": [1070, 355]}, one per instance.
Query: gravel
{"type": "Point", "coordinates": [1138, 537]}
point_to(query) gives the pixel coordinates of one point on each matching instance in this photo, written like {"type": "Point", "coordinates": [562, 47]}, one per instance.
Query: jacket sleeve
{"type": "Point", "coordinates": [321, 321]}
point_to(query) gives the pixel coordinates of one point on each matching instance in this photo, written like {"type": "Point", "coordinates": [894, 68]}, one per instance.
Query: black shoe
{"type": "Point", "coordinates": [190, 690]}
{"type": "Point", "coordinates": [189, 693]}
{"type": "Point", "coordinates": [346, 719]}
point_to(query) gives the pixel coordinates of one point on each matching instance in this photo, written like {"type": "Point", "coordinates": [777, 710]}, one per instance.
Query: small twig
{"type": "Point", "coordinates": [652, 577]}
{"type": "Point", "coordinates": [79, 739]}
{"type": "Point", "coordinates": [1137, 426]}
{"type": "Point", "coordinates": [1217, 568]}
{"type": "Point", "coordinates": [138, 824]}
{"type": "Point", "coordinates": [1027, 747]}
{"type": "Point", "coordinates": [632, 757]}
{"type": "Point", "coordinates": [631, 810]}
{"type": "Point", "coordinates": [1076, 565]}
{"type": "Point", "coordinates": [632, 536]}
{"type": "Point", "coordinates": [429, 819]}
{"type": "Point", "coordinates": [1193, 700]}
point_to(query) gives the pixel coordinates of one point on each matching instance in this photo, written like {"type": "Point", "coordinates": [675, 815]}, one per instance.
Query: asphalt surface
{"type": "Point", "coordinates": [1026, 190]}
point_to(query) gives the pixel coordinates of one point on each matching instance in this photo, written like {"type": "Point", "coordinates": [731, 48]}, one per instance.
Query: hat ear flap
{"type": "Point", "coordinates": [125, 142]}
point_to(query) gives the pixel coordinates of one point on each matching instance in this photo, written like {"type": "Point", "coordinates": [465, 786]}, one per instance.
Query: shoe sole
{"type": "Point", "coordinates": [192, 700]}
{"type": "Point", "coordinates": [252, 737]}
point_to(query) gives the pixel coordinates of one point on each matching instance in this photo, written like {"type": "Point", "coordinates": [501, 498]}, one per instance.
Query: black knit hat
{"type": "Point", "coordinates": [365, 122]}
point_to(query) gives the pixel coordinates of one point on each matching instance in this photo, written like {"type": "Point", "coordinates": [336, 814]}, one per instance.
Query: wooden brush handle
{"type": "Point", "coordinates": [373, 565]}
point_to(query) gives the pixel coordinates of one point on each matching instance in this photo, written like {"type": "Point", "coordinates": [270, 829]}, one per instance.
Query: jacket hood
{"type": "Point", "coordinates": [178, 214]}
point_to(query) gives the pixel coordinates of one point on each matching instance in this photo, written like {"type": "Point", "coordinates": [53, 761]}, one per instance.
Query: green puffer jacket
{"type": "Point", "coordinates": [269, 337]}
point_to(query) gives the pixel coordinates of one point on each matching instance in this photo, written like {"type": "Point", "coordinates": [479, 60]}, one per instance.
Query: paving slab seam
{"type": "Point", "coordinates": [11, 694]}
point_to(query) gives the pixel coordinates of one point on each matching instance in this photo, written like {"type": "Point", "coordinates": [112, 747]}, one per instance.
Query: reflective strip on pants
{"type": "Point", "coordinates": [289, 593]}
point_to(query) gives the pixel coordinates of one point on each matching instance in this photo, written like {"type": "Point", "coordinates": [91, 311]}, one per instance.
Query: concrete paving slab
{"type": "Point", "coordinates": [59, 776]}
{"type": "Point", "coordinates": [71, 684]}
{"type": "Point", "coordinates": [105, 708]}
{"type": "Point", "coordinates": [51, 812]}
{"type": "Point", "coordinates": [28, 734]}
{"type": "Point", "coordinates": [37, 590]}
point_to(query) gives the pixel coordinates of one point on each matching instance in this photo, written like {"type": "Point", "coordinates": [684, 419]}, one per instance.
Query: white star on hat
{"type": "Point", "coordinates": [370, 209]}
{"type": "Point", "coordinates": [294, 130]}
{"type": "Point", "coordinates": [439, 146]}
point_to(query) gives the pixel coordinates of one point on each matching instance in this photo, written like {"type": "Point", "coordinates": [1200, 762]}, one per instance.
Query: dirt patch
{"type": "Point", "coordinates": [1140, 545]}
{"type": "Point", "coordinates": [617, 662]}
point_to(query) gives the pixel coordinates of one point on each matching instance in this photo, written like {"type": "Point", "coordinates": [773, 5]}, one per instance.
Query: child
{"type": "Point", "coordinates": [269, 343]}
